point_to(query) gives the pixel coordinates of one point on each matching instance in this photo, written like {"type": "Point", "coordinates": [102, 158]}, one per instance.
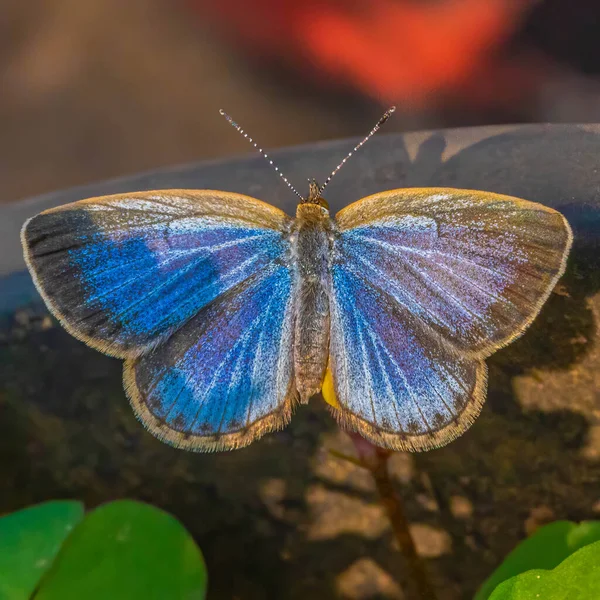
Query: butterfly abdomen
{"type": "Point", "coordinates": [311, 251]}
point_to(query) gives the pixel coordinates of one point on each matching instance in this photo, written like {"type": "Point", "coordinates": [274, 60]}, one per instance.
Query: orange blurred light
{"type": "Point", "coordinates": [407, 51]}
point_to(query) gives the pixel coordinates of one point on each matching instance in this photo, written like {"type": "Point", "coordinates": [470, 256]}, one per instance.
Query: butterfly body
{"type": "Point", "coordinates": [227, 311]}
{"type": "Point", "coordinates": [312, 249]}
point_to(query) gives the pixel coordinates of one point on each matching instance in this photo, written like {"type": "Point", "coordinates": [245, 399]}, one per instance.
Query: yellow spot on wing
{"type": "Point", "coordinates": [328, 390]}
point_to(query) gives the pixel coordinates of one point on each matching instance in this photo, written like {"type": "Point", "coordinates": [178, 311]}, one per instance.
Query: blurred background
{"type": "Point", "coordinates": [102, 88]}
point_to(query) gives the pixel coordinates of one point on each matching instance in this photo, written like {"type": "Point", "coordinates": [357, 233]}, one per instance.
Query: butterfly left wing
{"type": "Point", "coordinates": [426, 283]}
{"type": "Point", "coordinates": [226, 377]}
{"type": "Point", "coordinates": [123, 272]}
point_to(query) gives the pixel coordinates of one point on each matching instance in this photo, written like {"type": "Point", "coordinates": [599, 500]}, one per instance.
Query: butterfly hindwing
{"type": "Point", "coordinates": [124, 272]}
{"type": "Point", "coordinates": [226, 377]}
{"type": "Point", "coordinates": [427, 284]}
{"type": "Point", "coordinates": [397, 382]}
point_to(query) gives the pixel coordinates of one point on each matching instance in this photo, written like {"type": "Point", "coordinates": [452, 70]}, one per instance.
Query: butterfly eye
{"type": "Point", "coordinates": [323, 203]}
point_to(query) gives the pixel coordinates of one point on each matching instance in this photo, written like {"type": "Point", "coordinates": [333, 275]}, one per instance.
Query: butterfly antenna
{"type": "Point", "coordinates": [265, 155]}
{"type": "Point", "coordinates": [386, 115]}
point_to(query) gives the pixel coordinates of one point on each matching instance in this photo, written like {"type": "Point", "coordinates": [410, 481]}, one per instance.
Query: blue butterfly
{"type": "Point", "coordinates": [228, 312]}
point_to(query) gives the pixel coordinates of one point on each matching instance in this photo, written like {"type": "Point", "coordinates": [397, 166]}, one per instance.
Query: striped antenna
{"type": "Point", "coordinates": [386, 115]}
{"type": "Point", "coordinates": [242, 132]}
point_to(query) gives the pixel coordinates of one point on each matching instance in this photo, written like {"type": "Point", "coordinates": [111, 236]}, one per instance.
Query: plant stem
{"type": "Point", "coordinates": [375, 460]}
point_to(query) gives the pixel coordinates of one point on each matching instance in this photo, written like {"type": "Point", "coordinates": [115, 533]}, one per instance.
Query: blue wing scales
{"type": "Point", "coordinates": [226, 377]}
{"type": "Point", "coordinates": [398, 383]}
{"type": "Point", "coordinates": [475, 266]}
{"type": "Point", "coordinates": [124, 272]}
{"type": "Point", "coordinates": [427, 283]}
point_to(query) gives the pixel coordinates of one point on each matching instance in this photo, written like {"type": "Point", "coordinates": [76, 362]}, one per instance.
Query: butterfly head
{"type": "Point", "coordinates": [313, 207]}
{"type": "Point", "coordinates": [314, 195]}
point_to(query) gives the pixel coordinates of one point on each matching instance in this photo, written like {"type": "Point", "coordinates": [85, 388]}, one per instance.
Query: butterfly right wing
{"type": "Point", "coordinates": [427, 283]}
{"type": "Point", "coordinates": [226, 377]}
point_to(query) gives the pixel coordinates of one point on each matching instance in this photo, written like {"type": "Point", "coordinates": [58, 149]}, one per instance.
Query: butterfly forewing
{"type": "Point", "coordinates": [124, 272]}
{"type": "Point", "coordinates": [425, 284]}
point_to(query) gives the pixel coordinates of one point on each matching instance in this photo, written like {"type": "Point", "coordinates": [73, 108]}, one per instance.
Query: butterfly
{"type": "Point", "coordinates": [228, 312]}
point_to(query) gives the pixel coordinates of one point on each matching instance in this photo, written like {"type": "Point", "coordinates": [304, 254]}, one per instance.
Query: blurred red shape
{"type": "Point", "coordinates": [406, 51]}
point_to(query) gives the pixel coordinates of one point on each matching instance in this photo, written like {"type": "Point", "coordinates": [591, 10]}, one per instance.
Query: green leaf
{"type": "Point", "coordinates": [127, 550]}
{"type": "Point", "coordinates": [545, 549]}
{"type": "Point", "coordinates": [29, 541]}
{"type": "Point", "coordinates": [576, 578]}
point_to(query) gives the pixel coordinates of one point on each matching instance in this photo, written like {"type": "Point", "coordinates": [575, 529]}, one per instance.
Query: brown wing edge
{"type": "Point", "coordinates": [38, 282]}
{"type": "Point", "coordinates": [274, 421]}
{"type": "Point", "coordinates": [251, 209]}
{"type": "Point", "coordinates": [522, 327]}
{"type": "Point", "coordinates": [405, 442]}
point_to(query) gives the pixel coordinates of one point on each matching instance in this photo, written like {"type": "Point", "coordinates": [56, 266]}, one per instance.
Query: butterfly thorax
{"type": "Point", "coordinates": [311, 246]}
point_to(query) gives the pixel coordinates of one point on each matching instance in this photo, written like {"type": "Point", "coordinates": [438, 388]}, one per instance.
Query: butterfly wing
{"type": "Point", "coordinates": [426, 284]}
{"type": "Point", "coordinates": [123, 272]}
{"type": "Point", "coordinates": [193, 288]}
{"type": "Point", "coordinates": [226, 377]}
